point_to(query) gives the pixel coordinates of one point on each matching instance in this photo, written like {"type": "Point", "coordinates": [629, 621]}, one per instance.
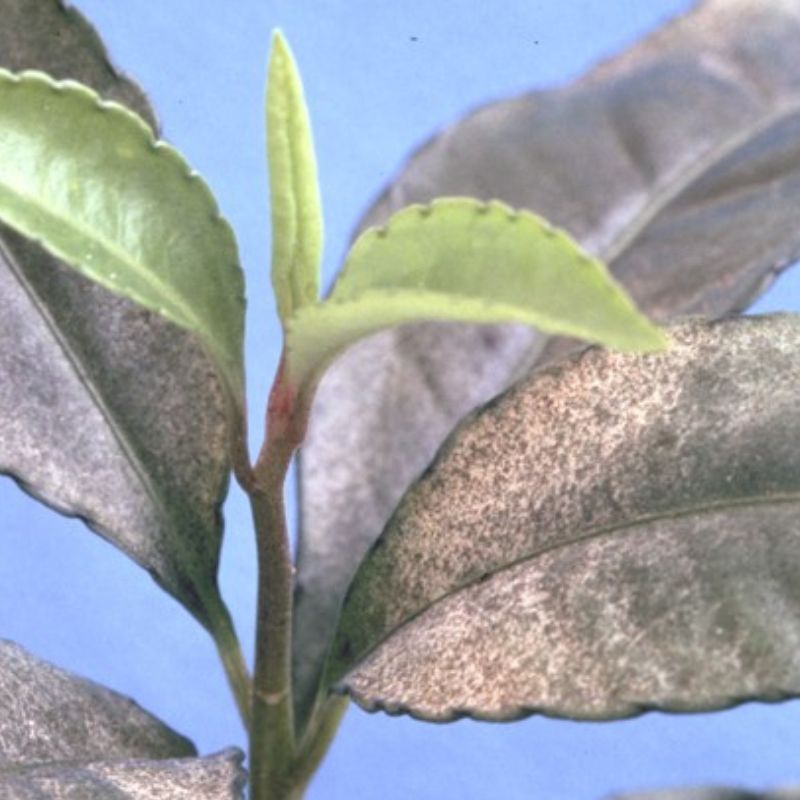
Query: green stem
{"type": "Point", "coordinates": [272, 737]}
{"type": "Point", "coordinates": [230, 653]}
{"type": "Point", "coordinates": [317, 740]}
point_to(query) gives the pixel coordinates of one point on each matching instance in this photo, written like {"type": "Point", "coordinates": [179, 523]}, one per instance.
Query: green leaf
{"type": "Point", "coordinates": [88, 180]}
{"type": "Point", "coordinates": [294, 190]}
{"type": "Point", "coordinates": [75, 357]}
{"type": "Point", "coordinates": [615, 534]}
{"type": "Point", "coordinates": [676, 162]}
{"type": "Point", "coordinates": [53, 37]}
{"type": "Point", "coordinates": [459, 259]}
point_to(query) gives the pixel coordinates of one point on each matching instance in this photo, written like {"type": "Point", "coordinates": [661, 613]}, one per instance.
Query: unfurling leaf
{"type": "Point", "coordinates": [616, 533]}
{"type": "Point", "coordinates": [294, 190]}
{"type": "Point", "coordinates": [675, 162]}
{"type": "Point", "coordinates": [459, 259]}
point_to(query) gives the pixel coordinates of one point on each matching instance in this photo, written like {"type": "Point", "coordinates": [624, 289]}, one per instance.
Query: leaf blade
{"type": "Point", "coordinates": [152, 475]}
{"type": "Point", "coordinates": [635, 557]}
{"type": "Point", "coordinates": [730, 61]}
{"type": "Point", "coordinates": [512, 267]}
{"type": "Point", "coordinates": [294, 188]}
{"type": "Point", "coordinates": [98, 191]}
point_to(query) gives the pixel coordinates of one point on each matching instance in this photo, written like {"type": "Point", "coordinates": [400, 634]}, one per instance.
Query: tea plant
{"type": "Point", "coordinates": [613, 533]}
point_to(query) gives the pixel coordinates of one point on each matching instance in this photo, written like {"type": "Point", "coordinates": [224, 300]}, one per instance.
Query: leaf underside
{"type": "Point", "coordinates": [612, 535]}
{"type": "Point", "coordinates": [676, 162]}
{"type": "Point", "coordinates": [108, 411]}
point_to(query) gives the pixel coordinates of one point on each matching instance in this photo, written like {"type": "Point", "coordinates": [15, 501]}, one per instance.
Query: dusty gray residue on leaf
{"type": "Point", "coordinates": [637, 521]}
{"type": "Point", "coordinates": [676, 161]}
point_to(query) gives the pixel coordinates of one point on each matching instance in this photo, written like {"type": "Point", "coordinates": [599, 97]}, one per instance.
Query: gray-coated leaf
{"type": "Point", "coordinates": [613, 534]}
{"type": "Point", "coordinates": [715, 793]}
{"type": "Point", "coordinates": [107, 412]}
{"type": "Point", "coordinates": [49, 715]}
{"type": "Point", "coordinates": [63, 737]}
{"type": "Point", "coordinates": [677, 162]}
{"type": "Point", "coordinates": [216, 777]}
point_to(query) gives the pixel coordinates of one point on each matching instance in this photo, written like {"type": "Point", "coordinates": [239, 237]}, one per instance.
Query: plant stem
{"type": "Point", "coordinates": [230, 653]}
{"type": "Point", "coordinates": [317, 740]}
{"type": "Point", "coordinates": [272, 738]}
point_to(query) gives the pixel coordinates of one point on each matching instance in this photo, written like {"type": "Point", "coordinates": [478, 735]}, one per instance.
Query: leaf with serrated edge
{"type": "Point", "coordinates": [616, 533]}
{"type": "Point", "coordinates": [215, 777]}
{"type": "Point", "coordinates": [715, 793]}
{"type": "Point", "coordinates": [49, 715]}
{"type": "Point", "coordinates": [294, 189]}
{"type": "Point", "coordinates": [87, 179]}
{"type": "Point", "coordinates": [649, 162]}
{"type": "Point", "coordinates": [463, 260]}
{"type": "Point", "coordinates": [153, 472]}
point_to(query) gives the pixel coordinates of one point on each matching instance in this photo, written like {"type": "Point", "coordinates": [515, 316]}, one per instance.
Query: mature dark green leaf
{"type": "Point", "coordinates": [62, 736]}
{"type": "Point", "coordinates": [108, 411]}
{"type": "Point", "coordinates": [677, 162]}
{"type": "Point", "coordinates": [712, 794]}
{"type": "Point", "coordinates": [48, 715]}
{"type": "Point", "coordinates": [615, 533]}
{"type": "Point", "coordinates": [217, 777]}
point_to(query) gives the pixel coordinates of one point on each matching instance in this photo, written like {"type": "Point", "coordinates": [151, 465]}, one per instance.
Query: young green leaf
{"type": "Point", "coordinates": [459, 259]}
{"type": "Point", "coordinates": [614, 534]}
{"type": "Point", "coordinates": [294, 190]}
{"type": "Point", "coordinates": [87, 179]}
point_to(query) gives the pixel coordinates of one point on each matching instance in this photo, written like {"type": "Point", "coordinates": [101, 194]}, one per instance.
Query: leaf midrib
{"type": "Point", "coordinates": [690, 175]}
{"type": "Point", "coordinates": [116, 256]}
{"type": "Point", "coordinates": [647, 519]}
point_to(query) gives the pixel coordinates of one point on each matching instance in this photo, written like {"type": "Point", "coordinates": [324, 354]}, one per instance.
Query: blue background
{"type": "Point", "coordinates": [375, 93]}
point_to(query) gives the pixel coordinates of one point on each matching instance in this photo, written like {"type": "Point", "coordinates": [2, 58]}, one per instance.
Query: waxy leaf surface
{"type": "Point", "coordinates": [616, 533]}
{"type": "Point", "coordinates": [511, 267]}
{"type": "Point", "coordinates": [107, 410]}
{"type": "Point", "coordinates": [294, 188]}
{"type": "Point", "coordinates": [676, 162]}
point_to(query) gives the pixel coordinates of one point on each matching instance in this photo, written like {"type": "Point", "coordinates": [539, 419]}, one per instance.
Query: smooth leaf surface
{"type": "Point", "coordinates": [216, 777]}
{"type": "Point", "coordinates": [107, 411]}
{"type": "Point", "coordinates": [294, 188]}
{"type": "Point", "coordinates": [511, 267]}
{"type": "Point", "coordinates": [614, 534]}
{"type": "Point", "coordinates": [49, 715]}
{"type": "Point", "coordinates": [675, 162]}
{"type": "Point", "coordinates": [87, 179]}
